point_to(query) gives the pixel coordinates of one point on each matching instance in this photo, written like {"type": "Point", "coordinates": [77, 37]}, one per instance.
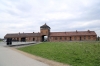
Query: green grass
{"type": "Point", "coordinates": [72, 53]}
{"type": "Point", "coordinates": [0, 40]}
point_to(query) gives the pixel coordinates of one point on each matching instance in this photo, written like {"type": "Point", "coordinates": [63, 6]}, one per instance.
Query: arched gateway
{"type": "Point", "coordinates": [46, 35]}
{"type": "Point", "coordinates": [45, 32]}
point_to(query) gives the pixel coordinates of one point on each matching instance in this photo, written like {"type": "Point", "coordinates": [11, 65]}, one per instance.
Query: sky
{"type": "Point", "coordinates": [61, 15]}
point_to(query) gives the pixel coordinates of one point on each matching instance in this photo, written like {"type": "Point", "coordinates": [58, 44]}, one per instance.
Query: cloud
{"type": "Point", "coordinates": [66, 15]}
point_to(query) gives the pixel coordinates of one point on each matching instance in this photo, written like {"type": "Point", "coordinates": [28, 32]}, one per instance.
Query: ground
{"type": "Point", "coordinates": [46, 61]}
{"type": "Point", "coordinates": [9, 57]}
{"type": "Point", "coordinates": [72, 53]}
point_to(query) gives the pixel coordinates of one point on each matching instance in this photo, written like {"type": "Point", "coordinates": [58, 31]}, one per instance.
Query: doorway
{"type": "Point", "coordinates": [9, 41]}
{"type": "Point", "coordinates": [23, 39]}
{"type": "Point", "coordinates": [70, 38]}
{"type": "Point", "coordinates": [33, 39]}
{"type": "Point", "coordinates": [44, 38]}
{"type": "Point", "coordinates": [80, 38]}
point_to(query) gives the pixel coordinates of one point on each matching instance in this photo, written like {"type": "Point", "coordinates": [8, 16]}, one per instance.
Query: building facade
{"type": "Point", "coordinates": [53, 36]}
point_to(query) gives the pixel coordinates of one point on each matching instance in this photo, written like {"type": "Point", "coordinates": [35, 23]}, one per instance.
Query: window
{"type": "Point", "coordinates": [33, 39]}
{"type": "Point", "coordinates": [88, 37]}
{"type": "Point", "coordinates": [94, 36]}
{"type": "Point", "coordinates": [84, 37]}
{"type": "Point", "coordinates": [80, 38]}
{"type": "Point", "coordinates": [55, 38]}
{"type": "Point", "coordinates": [17, 39]}
{"type": "Point", "coordinates": [70, 38]}
{"type": "Point", "coordinates": [75, 38]}
{"type": "Point", "coordinates": [60, 38]}
{"type": "Point", "coordinates": [65, 38]}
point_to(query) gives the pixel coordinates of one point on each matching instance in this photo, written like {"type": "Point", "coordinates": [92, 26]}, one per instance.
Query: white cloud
{"type": "Point", "coordinates": [29, 15]}
{"type": "Point", "coordinates": [59, 15]}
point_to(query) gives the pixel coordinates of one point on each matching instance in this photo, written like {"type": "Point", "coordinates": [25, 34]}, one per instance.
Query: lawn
{"type": "Point", "coordinates": [0, 40]}
{"type": "Point", "coordinates": [72, 53]}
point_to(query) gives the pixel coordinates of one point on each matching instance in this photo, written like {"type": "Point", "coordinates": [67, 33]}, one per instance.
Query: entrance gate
{"type": "Point", "coordinates": [44, 38]}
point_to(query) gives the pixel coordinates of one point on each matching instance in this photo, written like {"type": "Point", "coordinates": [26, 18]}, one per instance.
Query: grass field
{"type": "Point", "coordinates": [72, 53]}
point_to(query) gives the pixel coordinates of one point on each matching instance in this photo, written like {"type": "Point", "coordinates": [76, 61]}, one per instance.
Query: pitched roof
{"type": "Point", "coordinates": [21, 35]}
{"type": "Point", "coordinates": [45, 26]}
{"type": "Point", "coordinates": [75, 33]}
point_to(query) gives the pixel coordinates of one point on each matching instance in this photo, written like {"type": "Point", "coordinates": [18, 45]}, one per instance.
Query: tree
{"type": "Point", "coordinates": [98, 38]}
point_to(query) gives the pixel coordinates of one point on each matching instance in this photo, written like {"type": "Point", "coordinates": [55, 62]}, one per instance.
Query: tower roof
{"type": "Point", "coordinates": [45, 26]}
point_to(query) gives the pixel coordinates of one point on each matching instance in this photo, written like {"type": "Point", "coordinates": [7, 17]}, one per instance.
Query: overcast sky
{"type": "Point", "coordinates": [61, 15]}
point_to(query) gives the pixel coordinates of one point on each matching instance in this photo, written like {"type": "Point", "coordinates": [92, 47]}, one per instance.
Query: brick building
{"type": "Point", "coordinates": [53, 36]}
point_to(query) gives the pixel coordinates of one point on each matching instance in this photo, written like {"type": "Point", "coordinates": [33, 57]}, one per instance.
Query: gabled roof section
{"type": "Point", "coordinates": [45, 26]}
{"type": "Point", "coordinates": [21, 35]}
{"type": "Point", "coordinates": [75, 33]}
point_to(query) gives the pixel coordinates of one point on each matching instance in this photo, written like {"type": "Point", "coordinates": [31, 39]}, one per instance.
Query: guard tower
{"type": "Point", "coordinates": [44, 31]}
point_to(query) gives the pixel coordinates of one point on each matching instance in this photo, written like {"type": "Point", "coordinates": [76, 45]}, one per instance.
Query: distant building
{"type": "Point", "coordinates": [53, 36]}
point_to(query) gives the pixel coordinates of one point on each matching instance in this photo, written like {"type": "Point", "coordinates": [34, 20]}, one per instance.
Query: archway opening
{"type": "Point", "coordinates": [44, 38]}
{"type": "Point", "coordinates": [33, 39]}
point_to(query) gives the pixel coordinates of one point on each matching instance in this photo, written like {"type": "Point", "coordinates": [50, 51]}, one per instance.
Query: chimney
{"type": "Point", "coordinates": [89, 31]}
{"type": "Point", "coordinates": [19, 32]}
{"type": "Point", "coordinates": [76, 31]}
{"type": "Point", "coordinates": [45, 24]}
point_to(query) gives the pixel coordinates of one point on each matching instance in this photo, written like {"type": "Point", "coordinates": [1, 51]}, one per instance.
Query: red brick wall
{"type": "Point", "coordinates": [62, 38]}
{"type": "Point", "coordinates": [73, 38]}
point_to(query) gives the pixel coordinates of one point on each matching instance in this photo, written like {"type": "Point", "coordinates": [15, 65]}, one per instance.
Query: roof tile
{"type": "Point", "coordinates": [78, 33]}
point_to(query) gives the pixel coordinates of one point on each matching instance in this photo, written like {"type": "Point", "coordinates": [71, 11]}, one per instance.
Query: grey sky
{"type": "Point", "coordinates": [61, 15]}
